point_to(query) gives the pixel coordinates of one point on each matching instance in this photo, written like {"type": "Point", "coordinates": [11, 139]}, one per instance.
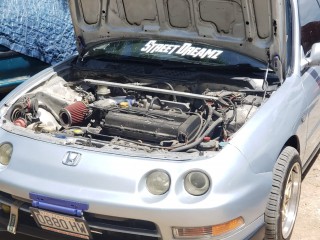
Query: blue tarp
{"type": "Point", "coordinates": [37, 28]}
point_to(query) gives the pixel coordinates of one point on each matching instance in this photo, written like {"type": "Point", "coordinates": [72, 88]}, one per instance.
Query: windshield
{"type": "Point", "coordinates": [171, 51]}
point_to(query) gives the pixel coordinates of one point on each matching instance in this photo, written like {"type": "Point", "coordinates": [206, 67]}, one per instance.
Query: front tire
{"type": "Point", "coordinates": [282, 207]}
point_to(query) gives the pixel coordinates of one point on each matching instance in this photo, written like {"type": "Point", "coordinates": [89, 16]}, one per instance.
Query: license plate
{"type": "Point", "coordinates": [68, 225]}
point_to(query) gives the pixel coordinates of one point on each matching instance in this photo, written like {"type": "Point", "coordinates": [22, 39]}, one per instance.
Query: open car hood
{"type": "Point", "coordinates": [255, 28]}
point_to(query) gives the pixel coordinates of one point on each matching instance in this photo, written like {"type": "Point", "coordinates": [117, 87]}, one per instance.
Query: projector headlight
{"type": "Point", "coordinates": [6, 150]}
{"type": "Point", "coordinates": [158, 182]}
{"type": "Point", "coordinates": [196, 183]}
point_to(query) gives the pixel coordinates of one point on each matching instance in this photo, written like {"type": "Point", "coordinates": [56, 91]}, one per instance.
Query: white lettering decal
{"type": "Point", "coordinates": [185, 50]}
{"type": "Point", "coordinates": [148, 46]}
{"type": "Point", "coordinates": [174, 48]}
{"type": "Point", "coordinates": [156, 48]}
{"type": "Point", "coordinates": [218, 53]}
{"type": "Point", "coordinates": [165, 48]}
{"type": "Point", "coordinates": [195, 52]}
{"type": "Point", "coordinates": [189, 51]}
{"type": "Point", "coordinates": [208, 53]}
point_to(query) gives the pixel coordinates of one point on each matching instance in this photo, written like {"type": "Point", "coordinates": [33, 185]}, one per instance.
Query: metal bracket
{"type": "Point", "coordinates": [14, 215]}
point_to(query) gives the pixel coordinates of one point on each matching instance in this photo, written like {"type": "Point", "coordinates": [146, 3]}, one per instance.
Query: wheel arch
{"type": "Point", "coordinates": [294, 142]}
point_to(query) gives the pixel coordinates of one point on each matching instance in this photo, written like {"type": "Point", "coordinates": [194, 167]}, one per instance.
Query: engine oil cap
{"type": "Point", "coordinates": [78, 132]}
{"type": "Point", "coordinates": [124, 105]}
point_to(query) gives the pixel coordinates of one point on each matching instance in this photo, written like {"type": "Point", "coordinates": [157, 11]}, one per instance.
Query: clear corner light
{"type": "Point", "coordinates": [158, 182]}
{"type": "Point", "coordinates": [196, 183]}
{"type": "Point", "coordinates": [208, 231]}
{"type": "Point", "coordinates": [6, 150]}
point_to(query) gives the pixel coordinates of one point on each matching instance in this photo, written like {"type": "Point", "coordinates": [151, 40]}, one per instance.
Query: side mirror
{"type": "Point", "coordinates": [314, 59]}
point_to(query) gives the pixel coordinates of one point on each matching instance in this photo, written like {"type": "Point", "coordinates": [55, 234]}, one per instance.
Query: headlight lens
{"type": "Point", "coordinates": [158, 182]}
{"type": "Point", "coordinates": [5, 153]}
{"type": "Point", "coordinates": [196, 183]}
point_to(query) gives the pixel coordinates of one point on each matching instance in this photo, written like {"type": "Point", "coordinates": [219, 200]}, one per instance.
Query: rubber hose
{"type": "Point", "coordinates": [199, 139]}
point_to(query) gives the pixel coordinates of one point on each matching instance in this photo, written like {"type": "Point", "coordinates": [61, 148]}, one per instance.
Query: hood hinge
{"type": "Point", "coordinates": [278, 68]}
{"type": "Point", "coordinates": [81, 45]}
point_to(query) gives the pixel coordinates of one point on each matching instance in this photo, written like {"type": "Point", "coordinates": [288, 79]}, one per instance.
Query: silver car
{"type": "Point", "coordinates": [178, 119]}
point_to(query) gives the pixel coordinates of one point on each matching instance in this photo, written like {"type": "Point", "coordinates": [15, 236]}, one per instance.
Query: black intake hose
{"type": "Point", "coordinates": [199, 139]}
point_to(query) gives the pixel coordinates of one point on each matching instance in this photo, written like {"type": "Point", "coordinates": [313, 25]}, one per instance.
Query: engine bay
{"type": "Point", "coordinates": [139, 114]}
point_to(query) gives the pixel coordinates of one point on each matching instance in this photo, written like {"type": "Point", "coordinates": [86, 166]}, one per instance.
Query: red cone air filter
{"type": "Point", "coordinates": [20, 122]}
{"type": "Point", "coordinates": [73, 114]}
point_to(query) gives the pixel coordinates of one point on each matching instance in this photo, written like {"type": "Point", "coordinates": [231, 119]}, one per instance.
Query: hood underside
{"type": "Point", "coordinates": [244, 26]}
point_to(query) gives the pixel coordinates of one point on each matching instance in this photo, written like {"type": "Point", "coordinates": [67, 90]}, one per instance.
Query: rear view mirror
{"type": "Point", "coordinates": [314, 58]}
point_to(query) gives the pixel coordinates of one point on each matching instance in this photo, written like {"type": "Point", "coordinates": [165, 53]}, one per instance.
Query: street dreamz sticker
{"type": "Point", "coordinates": [185, 49]}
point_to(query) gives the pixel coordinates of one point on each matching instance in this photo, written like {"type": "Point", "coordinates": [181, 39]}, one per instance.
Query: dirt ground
{"type": "Point", "coordinates": [308, 222]}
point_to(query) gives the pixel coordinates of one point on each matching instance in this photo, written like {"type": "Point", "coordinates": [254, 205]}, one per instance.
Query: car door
{"type": "Point", "coordinates": [309, 16]}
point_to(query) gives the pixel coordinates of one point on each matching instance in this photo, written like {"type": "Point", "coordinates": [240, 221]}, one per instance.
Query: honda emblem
{"type": "Point", "coordinates": [71, 159]}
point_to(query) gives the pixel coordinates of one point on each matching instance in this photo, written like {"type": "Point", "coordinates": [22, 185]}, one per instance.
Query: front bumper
{"type": "Point", "coordinates": [106, 228]}
{"type": "Point", "coordinates": [258, 234]}
{"type": "Point", "coordinates": [113, 185]}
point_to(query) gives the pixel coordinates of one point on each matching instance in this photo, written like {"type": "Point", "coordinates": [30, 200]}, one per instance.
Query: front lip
{"type": "Point", "coordinates": [258, 234]}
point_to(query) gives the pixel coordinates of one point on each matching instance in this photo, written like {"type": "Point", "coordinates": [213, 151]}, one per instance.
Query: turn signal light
{"type": "Point", "coordinates": [227, 227]}
{"type": "Point", "coordinates": [208, 231]}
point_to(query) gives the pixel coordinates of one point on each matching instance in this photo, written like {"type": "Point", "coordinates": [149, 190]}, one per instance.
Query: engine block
{"type": "Point", "coordinates": [152, 125]}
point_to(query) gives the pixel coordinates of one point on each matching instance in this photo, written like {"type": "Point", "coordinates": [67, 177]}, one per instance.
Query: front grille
{"type": "Point", "coordinates": [102, 227]}
{"type": "Point", "coordinates": [127, 228]}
